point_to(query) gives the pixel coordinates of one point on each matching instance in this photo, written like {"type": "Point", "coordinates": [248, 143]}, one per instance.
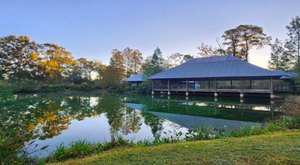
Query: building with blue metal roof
{"type": "Point", "coordinates": [217, 74]}
{"type": "Point", "coordinates": [135, 80]}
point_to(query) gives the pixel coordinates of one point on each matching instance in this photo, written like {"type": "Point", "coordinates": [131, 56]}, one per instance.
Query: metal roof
{"type": "Point", "coordinates": [225, 66]}
{"type": "Point", "coordinates": [136, 78]}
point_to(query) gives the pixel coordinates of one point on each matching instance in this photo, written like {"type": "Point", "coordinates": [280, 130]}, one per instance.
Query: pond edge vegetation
{"type": "Point", "coordinates": [82, 148]}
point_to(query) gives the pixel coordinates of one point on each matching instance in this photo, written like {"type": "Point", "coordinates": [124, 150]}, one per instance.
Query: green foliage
{"type": "Point", "coordinates": [144, 87]}
{"type": "Point", "coordinates": [27, 86]}
{"type": "Point", "coordinates": [79, 148]}
{"type": "Point", "coordinates": [248, 131]}
{"type": "Point", "coordinates": [291, 106]}
{"type": "Point", "coordinates": [286, 56]}
{"type": "Point", "coordinates": [293, 123]}
{"type": "Point", "coordinates": [242, 38]}
{"type": "Point", "coordinates": [293, 43]}
{"type": "Point", "coordinates": [18, 58]}
{"type": "Point", "coordinates": [202, 133]}
{"type": "Point", "coordinates": [155, 65]}
{"type": "Point", "coordinates": [280, 59]}
{"type": "Point", "coordinates": [83, 148]}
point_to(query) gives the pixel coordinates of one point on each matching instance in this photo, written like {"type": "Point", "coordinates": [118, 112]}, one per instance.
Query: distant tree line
{"type": "Point", "coordinates": [21, 58]}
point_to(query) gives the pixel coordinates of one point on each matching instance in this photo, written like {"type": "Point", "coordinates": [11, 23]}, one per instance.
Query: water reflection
{"type": "Point", "coordinates": [52, 119]}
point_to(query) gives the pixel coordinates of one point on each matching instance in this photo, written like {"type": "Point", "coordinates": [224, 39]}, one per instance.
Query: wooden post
{"type": "Point", "coordinates": [271, 89]}
{"type": "Point", "coordinates": [169, 87]}
{"type": "Point", "coordinates": [152, 87]}
{"type": "Point", "coordinates": [241, 85]}
{"type": "Point", "coordinates": [231, 84]}
{"type": "Point", "coordinates": [241, 88]}
{"type": "Point", "coordinates": [215, 85]}
{"type": "Point", "coordinates": [250, 84]}
{"type": "Point", "coordinates": [215, 88]}
{"type": "Point", "coordinates": [186, 88]}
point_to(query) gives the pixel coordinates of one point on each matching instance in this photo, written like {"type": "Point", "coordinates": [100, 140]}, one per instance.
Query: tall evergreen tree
{"type": "Point", "coordinates": [280, 60]}
{"type": "Point", "coordinates": [244, 37]}
{"type": "Point", "coordinates": [156, 63]}
{"type": "Point", "coordinates": [293, 43]}
{"type": "Point", "coordinates": [251, 36]}
{"type": "Point", "coordinates": [231, 38]}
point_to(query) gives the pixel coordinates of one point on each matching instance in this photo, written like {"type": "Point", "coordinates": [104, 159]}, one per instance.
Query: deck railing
{"type": "Point", "coordinates": [259, 86]}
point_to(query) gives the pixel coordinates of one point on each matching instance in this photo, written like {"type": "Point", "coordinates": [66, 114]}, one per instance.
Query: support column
{"type": "Point", "coordinates": [186, 88]}
{"type": "Point", "coordinates": [152, 87]}
{"type": "Point", "coordinates": [272, 96]}
{"type": "Point", "coordinates": [215, 88]}
{"type": "Point", "coordinates": [241, 88]}
{"type": "Point", "coordinates": [169, 88]}
{"type": "Point", "coordinates": [161, 87]}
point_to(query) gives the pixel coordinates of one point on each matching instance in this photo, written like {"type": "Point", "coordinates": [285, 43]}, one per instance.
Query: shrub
{"type": "Point", "coordinates": [25, 86]}
{"type": "Point", "coordinates": [248, 131]}
{"type": "Point", "coordinates": [291, 106]}
{"type": "Point", "coordinates": [293, 123]}
{"type": "Point", "coordinates": [144, 87]}
{"type": "Point", "coordinates": [76, 149]}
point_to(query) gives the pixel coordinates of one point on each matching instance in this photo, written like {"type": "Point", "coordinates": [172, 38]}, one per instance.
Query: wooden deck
{"type": "Point", "coordinates": [259, 91]}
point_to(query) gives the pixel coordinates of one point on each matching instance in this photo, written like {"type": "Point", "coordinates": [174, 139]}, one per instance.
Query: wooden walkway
{"type": "Point", "coordinates": [262, 91]}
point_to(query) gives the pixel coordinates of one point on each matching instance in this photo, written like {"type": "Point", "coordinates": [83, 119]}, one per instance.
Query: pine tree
{"type": "Point", "coordinates": [279, 58]}
{"type": "Point", "coordinates": [156, 63]}
{"type": "Point", "coordinates": [293, 43]}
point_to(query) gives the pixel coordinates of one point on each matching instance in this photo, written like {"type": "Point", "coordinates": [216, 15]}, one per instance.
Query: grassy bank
{"type": "Point", "coordinates": [79, 149]}
{"type": "Point", "coordinates": [273, 148]}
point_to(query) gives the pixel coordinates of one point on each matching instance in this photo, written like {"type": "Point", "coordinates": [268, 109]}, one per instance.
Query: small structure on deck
{"type": "Point", "coordinates": [135, 80]}
{"type": "Point", "coordinates": [219, 74]}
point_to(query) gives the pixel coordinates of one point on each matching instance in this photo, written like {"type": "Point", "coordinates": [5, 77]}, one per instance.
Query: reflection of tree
{"type": "Point", "coordinates": [120, 118]}
{"type": "Point", "coordinates": [154, 122]}
{"type": "Point", "coordinates": [24, 118]}
{"type": "Point", "coordinates": [27, 117]}
{"type": "Point", "coordinates": [132, 122]}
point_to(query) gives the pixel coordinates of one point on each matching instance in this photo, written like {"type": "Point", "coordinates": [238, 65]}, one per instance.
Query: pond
{"type": "Point", "coordinates": [31, 121]}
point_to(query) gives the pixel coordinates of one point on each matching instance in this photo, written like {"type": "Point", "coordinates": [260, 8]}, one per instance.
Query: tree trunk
{"type": "Point", "coordinates": [246, 51]}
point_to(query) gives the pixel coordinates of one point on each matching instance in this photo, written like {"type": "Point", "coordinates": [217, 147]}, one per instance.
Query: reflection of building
{"type": "Point", "coordinates": [196, 113]}
{"type": "Point", "coordinates": [219, 74]}
{"type": "Point", "coordinates": [135, 80]}
{"type": "Point", "coordinates": [193, 122]}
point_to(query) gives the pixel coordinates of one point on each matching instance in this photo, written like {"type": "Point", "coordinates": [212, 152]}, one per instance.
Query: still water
{"type": "Point", "coordinates": [35, 120]}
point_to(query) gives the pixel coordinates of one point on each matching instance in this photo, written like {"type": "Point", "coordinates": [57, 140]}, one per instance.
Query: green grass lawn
{"type": "Point", "coordinates": [274, 148]}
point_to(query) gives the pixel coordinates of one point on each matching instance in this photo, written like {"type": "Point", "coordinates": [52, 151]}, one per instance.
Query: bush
{"type": "Point", "coordinates": [291, 106]}
{"type": "Point", "coordinates": [144, 87]}
{"type": "Point", "coordinates": [26, 86]}
{"type": "Point", "coordinates": [293, 123]}
{"type": "Point", "coordinates": [76, 149]}
{"type": "Point", "coordinates": [248, 131]}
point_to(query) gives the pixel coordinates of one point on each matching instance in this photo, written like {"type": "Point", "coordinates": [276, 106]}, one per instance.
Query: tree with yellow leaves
{"type": "Point", "coordinates": [56, 62]}
{"type": "Point", "coordinates": [18, 57]}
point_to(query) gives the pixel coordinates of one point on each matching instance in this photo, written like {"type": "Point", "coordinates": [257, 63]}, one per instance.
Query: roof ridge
{"type": "Point", "coordinates": [214, 58]}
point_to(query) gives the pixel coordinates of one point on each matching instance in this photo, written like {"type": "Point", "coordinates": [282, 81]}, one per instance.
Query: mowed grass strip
{"type": "Point", "coordinates": [275, 148]}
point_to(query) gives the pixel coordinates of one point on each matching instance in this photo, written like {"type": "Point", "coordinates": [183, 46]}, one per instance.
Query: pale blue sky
{"type": "Point", "coordinates": [92, 28]}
